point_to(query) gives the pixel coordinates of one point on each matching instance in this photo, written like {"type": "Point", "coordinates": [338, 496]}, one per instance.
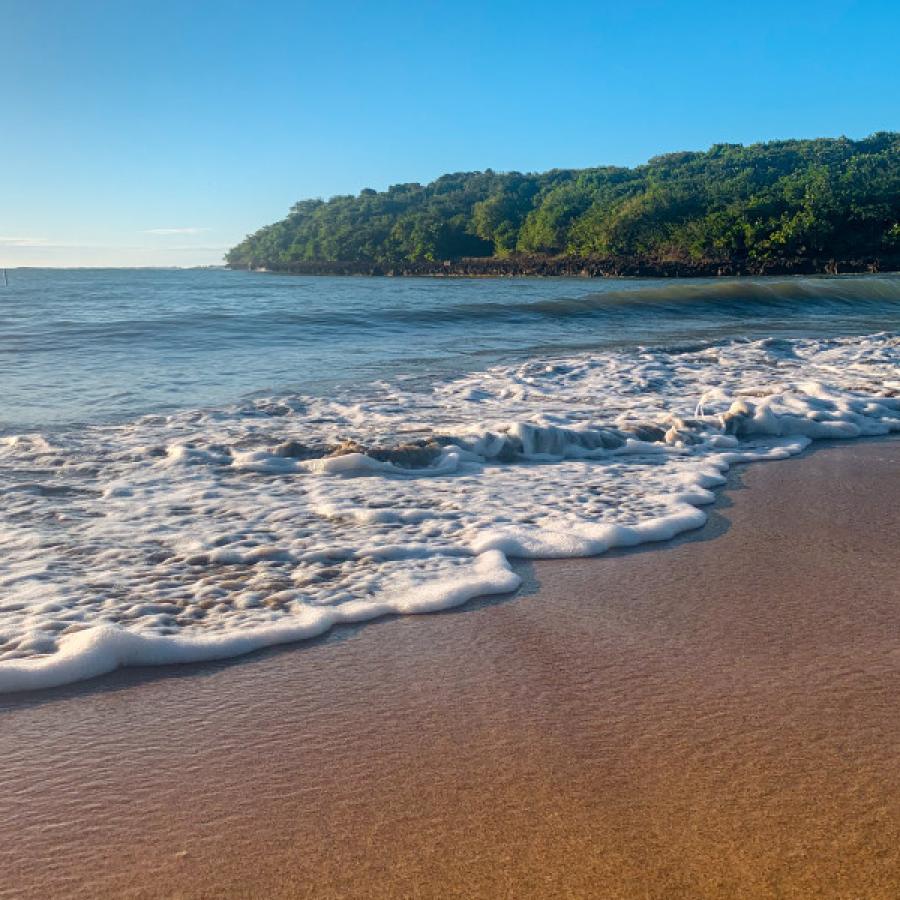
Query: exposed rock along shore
{"type": "Point", "coordinates": [588, 267]}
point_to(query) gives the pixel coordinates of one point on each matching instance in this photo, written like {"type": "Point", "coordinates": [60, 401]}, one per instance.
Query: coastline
{"type": "Point", "coordinates": [709, 717]}
{"type": "Point", "coordinates": [524, 265]}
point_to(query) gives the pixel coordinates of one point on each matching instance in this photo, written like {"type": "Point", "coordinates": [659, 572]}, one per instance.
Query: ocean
{"type": "Point", "coordinates": [195, 464]}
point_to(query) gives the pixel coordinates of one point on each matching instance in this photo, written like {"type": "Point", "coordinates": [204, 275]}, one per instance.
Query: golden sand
{"type": "Point", "coordinates": [716, 717]}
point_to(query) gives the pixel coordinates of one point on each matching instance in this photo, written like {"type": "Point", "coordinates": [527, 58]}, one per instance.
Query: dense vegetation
{"type": "Point", "coordinates": [744, 207]}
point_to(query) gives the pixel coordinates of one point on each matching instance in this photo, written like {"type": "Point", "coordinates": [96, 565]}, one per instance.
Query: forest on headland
{"type": "Point", "coordinates": [824, 205]}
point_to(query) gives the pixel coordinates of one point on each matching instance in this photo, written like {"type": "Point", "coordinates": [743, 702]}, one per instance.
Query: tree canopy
{"type": "Point", "coordinates": [834, 198]}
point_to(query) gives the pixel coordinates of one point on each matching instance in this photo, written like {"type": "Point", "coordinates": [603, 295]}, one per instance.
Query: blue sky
{"type": "Point", "coordinates": [157, 133]}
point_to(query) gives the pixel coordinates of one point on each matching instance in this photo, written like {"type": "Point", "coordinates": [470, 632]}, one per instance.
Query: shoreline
{"type": "Point", "coordinates": [96, 652]}
{"type": "Point", "coordinates": [709, 717]}
{"type": "Point", "coordinates": [525, 266]}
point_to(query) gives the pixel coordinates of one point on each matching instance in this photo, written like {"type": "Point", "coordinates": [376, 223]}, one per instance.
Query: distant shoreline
{"type": "Point", "coordinates": [820, 206]}
{"type": "Point", "coordinates": [588, 267]}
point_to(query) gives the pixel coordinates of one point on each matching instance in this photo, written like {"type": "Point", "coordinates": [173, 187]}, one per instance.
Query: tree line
{"type": "Point", "coordinates": [835, 199]}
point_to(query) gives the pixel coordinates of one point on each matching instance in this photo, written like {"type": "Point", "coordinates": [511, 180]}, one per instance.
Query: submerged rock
{"type": "Point", "coordinates": [652, 434]}
{"type": "Point", "coordinates": [296, 450]}
{"type": "Point", "coordinates": [415, 455]}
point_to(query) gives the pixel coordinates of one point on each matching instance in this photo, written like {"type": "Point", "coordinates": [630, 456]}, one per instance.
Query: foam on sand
{"type": "Point", "coordinates": [100, 649]}
{"type": "Point", "coordinates": [212, 533]}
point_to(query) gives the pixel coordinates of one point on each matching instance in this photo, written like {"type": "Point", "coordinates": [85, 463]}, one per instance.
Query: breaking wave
{"type": "Point", "coordinates": [210, 533]}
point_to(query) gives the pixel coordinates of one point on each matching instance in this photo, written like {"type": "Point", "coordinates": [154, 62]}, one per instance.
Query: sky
{"type": "Point", "coordinates": [148, 132]}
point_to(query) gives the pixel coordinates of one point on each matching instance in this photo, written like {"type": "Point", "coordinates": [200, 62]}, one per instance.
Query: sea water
{"type": "Point", "coordinates": [195, 464]}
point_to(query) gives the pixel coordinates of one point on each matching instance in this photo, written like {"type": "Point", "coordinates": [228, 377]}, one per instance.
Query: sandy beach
{"type": "Point", "coordinates": [713, 717]}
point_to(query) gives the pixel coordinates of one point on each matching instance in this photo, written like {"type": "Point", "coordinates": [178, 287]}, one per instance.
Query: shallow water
{"type": "Point", "coordinates": [227, 460]}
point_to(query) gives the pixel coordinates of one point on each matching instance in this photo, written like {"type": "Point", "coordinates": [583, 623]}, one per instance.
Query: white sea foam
{"type": "Point", "coordinates": [211, 533]}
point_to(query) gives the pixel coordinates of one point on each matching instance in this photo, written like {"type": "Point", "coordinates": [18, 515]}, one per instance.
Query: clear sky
{"type": "Point", "coordinates": [147, 132]}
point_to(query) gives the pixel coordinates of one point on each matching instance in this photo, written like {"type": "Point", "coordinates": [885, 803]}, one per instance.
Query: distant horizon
{"type": "Point", "coordinates": [128, 268]}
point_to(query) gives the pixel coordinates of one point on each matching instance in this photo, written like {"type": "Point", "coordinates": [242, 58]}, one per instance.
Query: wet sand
{"type": "Point", "coordinates": [714, 717]}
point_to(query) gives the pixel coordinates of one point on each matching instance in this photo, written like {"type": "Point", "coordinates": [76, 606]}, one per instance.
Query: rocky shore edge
{"type": "Point", "coordinates": [520, 265]}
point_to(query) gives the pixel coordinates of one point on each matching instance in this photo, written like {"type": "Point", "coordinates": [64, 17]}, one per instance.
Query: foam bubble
{"type": "Point", "coordinates": [211, 533]}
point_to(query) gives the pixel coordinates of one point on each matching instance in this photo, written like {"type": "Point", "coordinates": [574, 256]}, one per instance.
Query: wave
{"type": "Point", "coordinates": [685, 300]}
{"type": "Point", "coordinates": [725, 297]}
{"type": "Point", "coordinates": [210, 533]}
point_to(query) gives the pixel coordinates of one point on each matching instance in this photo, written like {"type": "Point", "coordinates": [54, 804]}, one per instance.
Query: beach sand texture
{"type": "Point", "coordinates": [715, 717]}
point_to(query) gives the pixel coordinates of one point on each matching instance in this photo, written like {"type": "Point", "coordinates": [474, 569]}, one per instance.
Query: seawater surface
{"type": "Point", "coordinates": [194, 464]}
